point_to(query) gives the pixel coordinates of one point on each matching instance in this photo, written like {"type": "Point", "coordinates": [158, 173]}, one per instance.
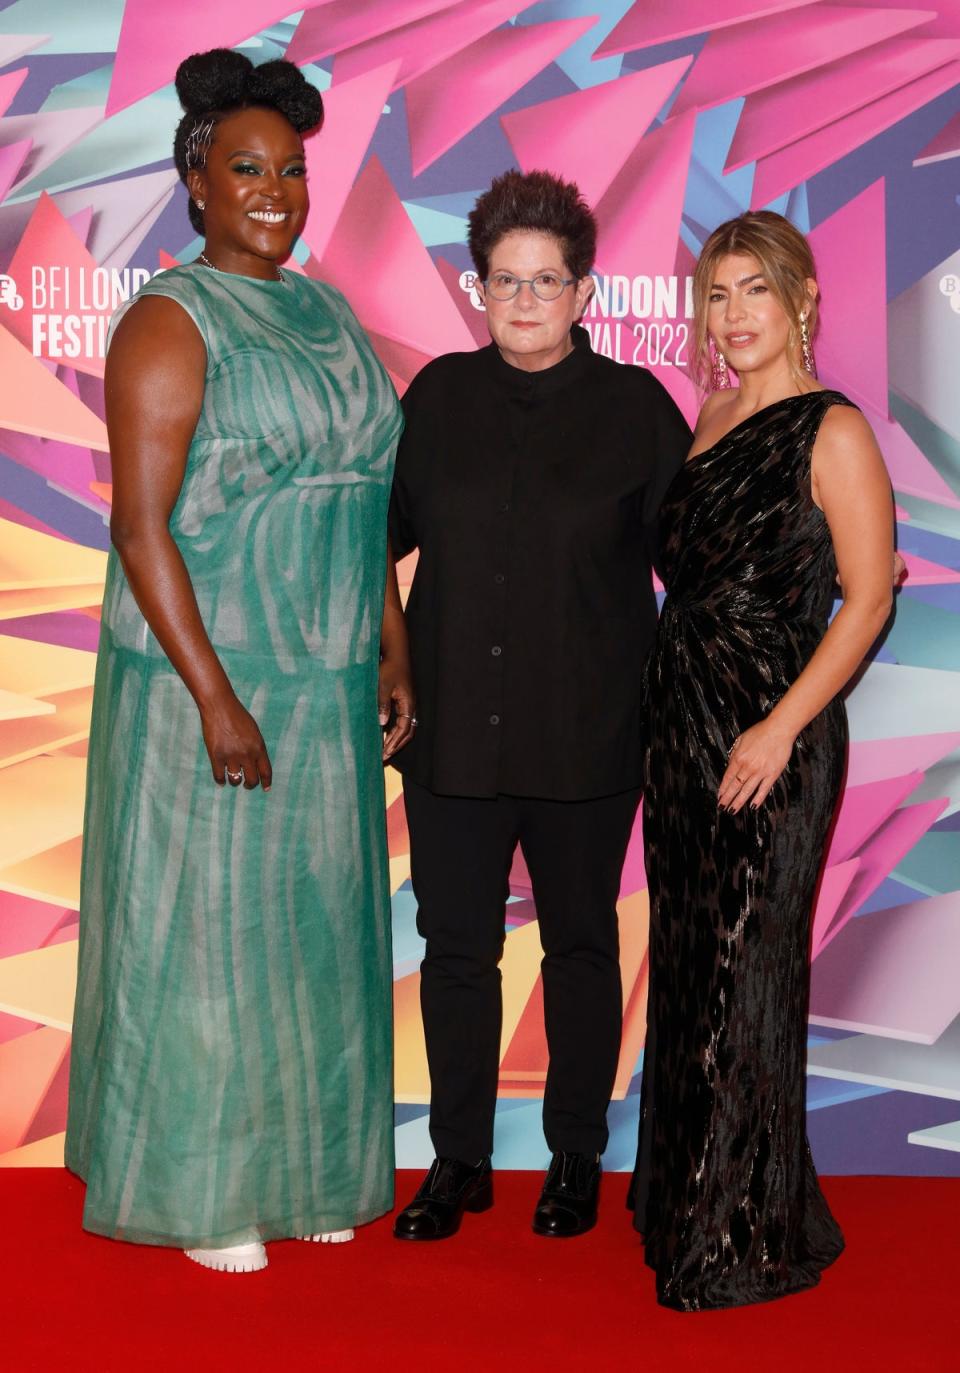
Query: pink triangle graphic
{"type": "Point", "coordinates": [864, 809]}
{"type": "Point", "coordinates": [444, 104]}
{"type": "Point", "coordinates": [922, 572]}
{"type": "Point", "coordinates": [334, 155]}
{"type": "Point", "coordinates": [875, 760]}
{"type": "Point", "coordinates": [10, 83]}
{"type": "Point", "coordinates": [772, 118]}
{"type": "Point", "coordinates": [634, 240]}
{"type": "Point", "coordinates": [426, 42]}
{"type": "Point", "coordinates": [80, 222]}
{"type": "Point", "coordinates": [152, 45]}
{"type": "Point", "coordinates": [851, 257]}
{"type": "Point", "coordinates": [49, 242]}
{"type": "Point", "coordinates": [345, 24]}
{"type": "Point", "coordinates": [884, 851]}
{"type": "Point", "coordinates": [911, 471]}
{"type": "Point", "coordinates": [375, 257]}
{"type": "Point", "coordinates": [12, 158]}
{"type": "Point", "coordinates": [783, 170]}
{"type": "Point", "coordinates": [475, 320]}
{"type": "Point", "coordinates": [122, 210]}
{"type": "Point", "coordinates": [661, 21]}
{"type": "Point", "coordinates": [29, 1064]}
{"type": "Point", "coordinates": [833, 888]}
{"type": "Point", "coordinates": [34, 402]}
{"type": "Point", "coordinates": [942, 146]}
{"type": "Point", "coordinates": [736, 62]}
{"type": "Point", "coordinates": [587, 136]}
{"type": "Point", "coordinates": [64, 464]}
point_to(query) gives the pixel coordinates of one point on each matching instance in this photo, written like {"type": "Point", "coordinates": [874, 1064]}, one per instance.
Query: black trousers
{"type": "Point", "coordinates": [461, 851]}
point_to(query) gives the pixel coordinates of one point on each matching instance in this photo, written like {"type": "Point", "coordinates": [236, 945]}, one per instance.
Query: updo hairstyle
{"type": "Point", "coordinates": [538, 202]}
{"type": "Point", "coordinates": [786, 261]}
{"type": "Point", "coordinates": [213, 84]}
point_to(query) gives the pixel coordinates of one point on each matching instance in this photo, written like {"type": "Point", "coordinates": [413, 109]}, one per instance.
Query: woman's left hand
{"type": "Point", "coordinates": [756, 760]}
{"type": "Point", "coordinates": [396, 691]}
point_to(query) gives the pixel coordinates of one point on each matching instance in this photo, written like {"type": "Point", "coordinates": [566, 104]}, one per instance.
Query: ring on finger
{"type": "Point", "coordinates": [234, 778]}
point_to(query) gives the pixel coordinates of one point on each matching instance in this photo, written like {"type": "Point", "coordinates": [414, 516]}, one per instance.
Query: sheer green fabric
{"type": "Point", "coordinates": [232, 1056]}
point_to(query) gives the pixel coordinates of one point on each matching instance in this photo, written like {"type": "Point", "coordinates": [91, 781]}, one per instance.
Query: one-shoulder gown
{"type": "Point", "coordinates": [725, 1190]}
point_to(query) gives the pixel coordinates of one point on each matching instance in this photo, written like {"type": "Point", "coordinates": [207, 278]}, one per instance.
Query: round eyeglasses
{"type": "Point", "coordinates": [545, 285]}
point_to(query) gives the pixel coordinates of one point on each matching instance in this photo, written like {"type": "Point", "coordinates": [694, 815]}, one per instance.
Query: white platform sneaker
{"type": "Point", "coordinates": [329, 1237]}
{"type": "Point", "coordinates": [237, 1258]}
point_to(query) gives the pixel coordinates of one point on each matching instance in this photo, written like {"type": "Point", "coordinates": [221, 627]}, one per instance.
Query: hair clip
{"type": "Point", "coordinates": [198, 142]}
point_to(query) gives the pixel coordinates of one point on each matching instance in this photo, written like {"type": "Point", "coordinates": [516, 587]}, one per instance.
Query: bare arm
{"type": "Point", "coordinates": [851, 486]}
{"type": "Point", "coordinates": [154, 390]}
{"type": "Point", "coordinates": [396, 677]}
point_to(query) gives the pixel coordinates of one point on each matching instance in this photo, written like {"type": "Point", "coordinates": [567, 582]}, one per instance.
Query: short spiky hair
{"type": "Point", "coordinates": [219, 82]}
{"type": "Point", "coordinates": [535, 201]}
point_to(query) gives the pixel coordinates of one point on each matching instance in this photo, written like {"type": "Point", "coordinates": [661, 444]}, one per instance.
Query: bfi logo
{"type": "Point", "coordinates": [949, 287]}
{"type": "Point", "coordinates": [468, 283]}
{"type": "Point", "coordinates": [9, 295]}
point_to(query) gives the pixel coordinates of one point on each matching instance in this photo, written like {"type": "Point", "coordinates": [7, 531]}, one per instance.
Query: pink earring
{"type": "Point", "coordinates": [719, 375]}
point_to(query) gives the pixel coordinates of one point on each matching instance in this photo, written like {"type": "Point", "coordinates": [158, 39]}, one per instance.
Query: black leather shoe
{"type": "Point", "coordinates": [568, 1202]}
{"type": "Point", "coordinates": [449, 1189]}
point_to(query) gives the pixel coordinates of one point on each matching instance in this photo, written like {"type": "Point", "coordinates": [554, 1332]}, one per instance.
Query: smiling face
{"type": "Point", "coordinates": [533, 334]}
{"type": "Point", "coordinates": [747, 322]}
{"type": "Point", "coordinates": [254, 190]}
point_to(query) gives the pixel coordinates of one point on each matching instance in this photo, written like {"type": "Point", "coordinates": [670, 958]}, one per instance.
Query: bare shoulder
{"type": "Point", "coordinates": [712, 411]}
{"type": "Point", "coordinates": [161, 318]}
{"type": "Point", "coordinates": [156, 334]}
{"type": "Point", "coordinates": [845, 439]}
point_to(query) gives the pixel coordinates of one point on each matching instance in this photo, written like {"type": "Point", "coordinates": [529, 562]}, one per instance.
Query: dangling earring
{"type": "Point", "coordinates": [719, 376]}
{"type": "Point", "coordinates": [806, 348]}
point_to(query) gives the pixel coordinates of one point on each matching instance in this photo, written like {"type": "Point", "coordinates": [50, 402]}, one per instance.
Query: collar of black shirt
{"type": "Point", "coordinates": [551, 379]}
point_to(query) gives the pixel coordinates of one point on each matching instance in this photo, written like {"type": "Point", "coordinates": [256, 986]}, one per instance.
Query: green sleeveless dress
{"type": "Point", "coordinates": [232, 1055]}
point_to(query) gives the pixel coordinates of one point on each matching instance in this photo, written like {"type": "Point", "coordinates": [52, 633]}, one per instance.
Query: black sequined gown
{"type": "Point", "coordinates": [725, 1190]}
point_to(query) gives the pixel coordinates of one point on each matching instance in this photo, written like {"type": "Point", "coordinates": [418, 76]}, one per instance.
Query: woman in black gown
{"type": "Point", "coordinates": [784, 492]}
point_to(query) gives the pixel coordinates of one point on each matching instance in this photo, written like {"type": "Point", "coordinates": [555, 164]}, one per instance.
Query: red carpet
{"type": "Point", "coordinates": [495, 1298]}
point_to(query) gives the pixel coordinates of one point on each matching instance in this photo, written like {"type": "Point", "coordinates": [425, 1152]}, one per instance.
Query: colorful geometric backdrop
{"type": "Point", "coordinates": [845, 117]}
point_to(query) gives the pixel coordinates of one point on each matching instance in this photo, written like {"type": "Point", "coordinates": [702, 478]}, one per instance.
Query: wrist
{"type": "Point", "coordinates": [213, 698]}
{"type": "Point", "coordinates": [395, 656]}
{"type": "Point", "coordinates": [783, 726]}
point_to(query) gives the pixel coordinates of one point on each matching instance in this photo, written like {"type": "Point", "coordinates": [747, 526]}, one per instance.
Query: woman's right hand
{"type": "Point", "coordinates": [235, 745]}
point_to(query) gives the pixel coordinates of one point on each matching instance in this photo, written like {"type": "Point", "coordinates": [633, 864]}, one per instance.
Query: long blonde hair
{"type": "Point", "coordinates": [786, 260]}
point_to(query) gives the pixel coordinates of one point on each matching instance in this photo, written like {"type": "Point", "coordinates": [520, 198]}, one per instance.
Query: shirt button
{"type": "Point", "coordinates": [494, 719]}
{"type": "Point", "coordinates": [499, 578]}
{"type": "Point", "coordinates": [496, 650]}
{"type": "Point", "coordinates": [504, 507]}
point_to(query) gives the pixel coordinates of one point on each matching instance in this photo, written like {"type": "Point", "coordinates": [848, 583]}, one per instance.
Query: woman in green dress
{"type": "Point", "coordinates": [232, 1064]}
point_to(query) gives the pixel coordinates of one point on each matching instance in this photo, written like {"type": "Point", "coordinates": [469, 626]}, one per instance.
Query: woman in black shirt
{"type": "Point", "coordinates": [529, 476]}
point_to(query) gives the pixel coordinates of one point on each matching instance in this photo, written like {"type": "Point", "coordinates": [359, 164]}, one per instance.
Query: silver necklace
{"type": "Point", "coordinates": [202, 257]}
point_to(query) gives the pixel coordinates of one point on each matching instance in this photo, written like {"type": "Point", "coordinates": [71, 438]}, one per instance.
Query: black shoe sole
{"type": "Point", "coordinates": [559, 1235]}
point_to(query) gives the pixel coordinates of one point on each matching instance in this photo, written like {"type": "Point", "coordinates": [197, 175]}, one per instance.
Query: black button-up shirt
{"type": "Point", "coordinates": [531, 497]}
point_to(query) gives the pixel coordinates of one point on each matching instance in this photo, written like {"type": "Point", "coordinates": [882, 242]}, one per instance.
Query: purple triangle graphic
{"type": "Point", "coordinates": [851, 257]}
